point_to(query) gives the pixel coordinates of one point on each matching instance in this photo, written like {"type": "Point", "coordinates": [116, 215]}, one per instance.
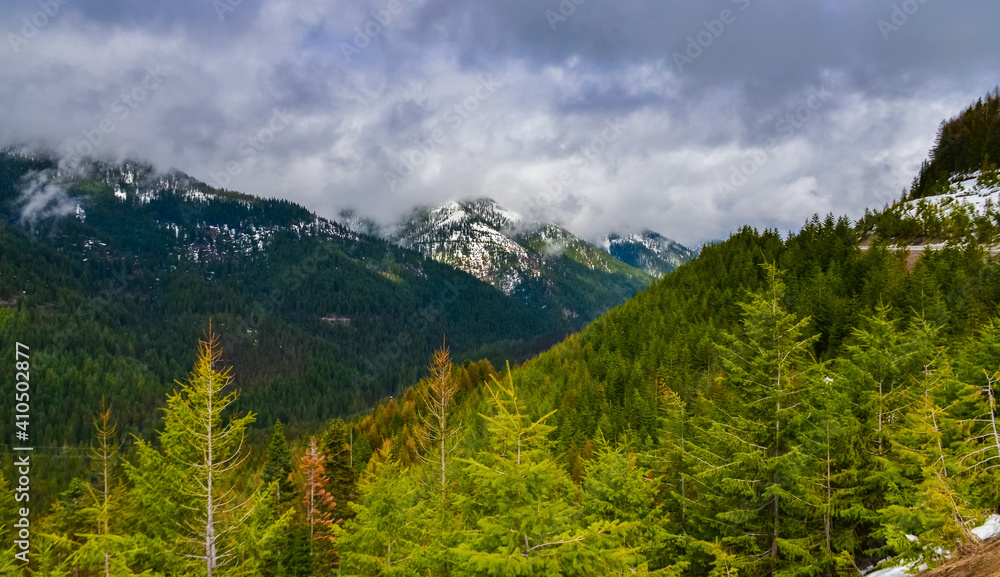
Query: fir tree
{"type": "Point", "coordinates": [384, 536]}
{"type": "Point", "coordinates": [618, 491]}
{"type": "Point", "coordinates": [756, 488]}
{"type": "Point", "coordinates": [981, 366]}
{"type": "Point", "coordinates": [188, 486]}
{"type": "Point", "coordinates": [278, 469]}
{"type": "Point", "coordinates": [880, 363]}
{"type": "Point", "coordinates": [341, 484]}
{"type": "Point", "coordinates": [932, 508]}
{"type": "Point", "coordinates": [830, 438]}
{"type": "Point", "coordinates": [522, 503]}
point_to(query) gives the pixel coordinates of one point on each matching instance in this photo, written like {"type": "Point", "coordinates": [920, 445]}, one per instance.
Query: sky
{"type": "Point", "coordinates": [690, 118]}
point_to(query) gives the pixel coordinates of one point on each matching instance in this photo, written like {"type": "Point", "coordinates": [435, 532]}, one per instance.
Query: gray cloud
{"type": "Point", "coordinates": [43, 197]}
{"type": "Point", "coordinates": [373, 89]}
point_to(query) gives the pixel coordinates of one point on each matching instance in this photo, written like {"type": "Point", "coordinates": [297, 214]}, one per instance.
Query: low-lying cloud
{"type": "Point", "coordinates": [408, 96]}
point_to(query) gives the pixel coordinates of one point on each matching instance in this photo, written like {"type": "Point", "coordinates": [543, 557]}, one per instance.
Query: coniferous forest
{"type": "Point", "coordinates": [809, 404]}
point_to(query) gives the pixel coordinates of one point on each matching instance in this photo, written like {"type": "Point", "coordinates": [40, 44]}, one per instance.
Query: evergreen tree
{"type": "Point", "coordinates": [830, 438]}
{"type": "Point", "coordinates": [384, 537]}
{"type": "Point", "coordinates": [437, 444]}
{"type": "Point", "coordinates": [931, 507]}
{"type": "Point", "coordinates": [981, 366]}
{"type": "Point", "coordinates": [341, 484]}
{"type": "Point", "coordinates": [8, 516]}
{"type": "Point", "coordinates": [110, 549]}
{"type": "Point", "coordinates": [757, 496]}
{"type": "Point", "coordinates": [523, 504]}
{"type": "Point", "coordinates": [278, 469]}
{"type": "Point", "coordinates": [67, 529]}
{"type": "Point", "coordinates": [620, 492]}
{"type": "Point", "coordinates": [437, 397]}
{"type": "Point", "coordinates": [187, 488]}
{"type": "Point", "coordinates": [880, 363]}
{"type": "Point", "coordinates": [319, 505]}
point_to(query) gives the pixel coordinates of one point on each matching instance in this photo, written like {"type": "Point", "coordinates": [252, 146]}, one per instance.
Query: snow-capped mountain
{"type": "Point", "coordinates": [123, 258]}
{"type": "Point", "coordinates": [647, 250]}
{"type": "Point", "coordinates": [524, 258]}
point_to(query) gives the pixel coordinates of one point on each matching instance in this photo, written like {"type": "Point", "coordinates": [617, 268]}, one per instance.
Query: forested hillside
{"type": "Point", "coordinates": [812, 404]}
{"type": "Point", "coordinates": [794, 405]}
{"type": "Point", "coordinates": [110, 275]}
{"type": "Point", "coordinates": [965, 144]}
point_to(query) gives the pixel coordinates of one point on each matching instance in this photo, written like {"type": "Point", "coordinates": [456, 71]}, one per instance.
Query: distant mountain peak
{"type": "Point", "coordinates": [531, 260]}
{"type": "Point", "coordinates": [647, 250]}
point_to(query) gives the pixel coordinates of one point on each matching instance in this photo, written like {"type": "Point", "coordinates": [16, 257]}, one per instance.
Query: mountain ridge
{"type": "Point", "coordinates": [534, 261]}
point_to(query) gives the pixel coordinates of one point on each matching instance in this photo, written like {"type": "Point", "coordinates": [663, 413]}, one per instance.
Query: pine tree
{"type": "Point", "coordinates": [385, 535]}
{"type": "Point", "coordinates": [932, 508]}
{"type": "Point", "coordinates": [342, 477]}
{"type": "Point", "coordinates": [187, 488]}
{"type": "Point", "coordinates": [523, 504]}
{"type": "Point", "coordinates": [278, 468]}
{"type": "Point", "coordinates": [758, 499]}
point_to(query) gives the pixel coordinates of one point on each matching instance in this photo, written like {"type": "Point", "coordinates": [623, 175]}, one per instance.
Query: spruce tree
{"type": "Point", "coordinates": [618, 491]}
{"type": "Point", "coordinates": [342, 481]}
{"type": "Point", "coordinates": [385, 535]}
{"type": "Point", "coordinates": [278, 468]}
{"type": "Point", "coordinates": [931, 506]}
{"type": "Point", "coordinates": [830, 433]}
{"type": "Point", "coordinates": [523, 505]}
{"type": "Point", "coordinates": [756, 495]}
{"type": "Point", "coordinates": [980, 367]}
{"type": "Point", "coordinates": [187, 488]}
{"type": "Point", "coordinates": [881, 362]}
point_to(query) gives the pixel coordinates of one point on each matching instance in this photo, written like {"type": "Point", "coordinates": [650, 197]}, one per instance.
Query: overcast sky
{"type": "Point", "coordinates": [689, 117]}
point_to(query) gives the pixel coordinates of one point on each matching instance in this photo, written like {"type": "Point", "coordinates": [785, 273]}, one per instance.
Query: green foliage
{"type": "Point", "coordinates": [108, 303]}
{"type": "Point", "coordinates": [342, 478]}
{"type": "Point", "coordinates": [964, 143]}
{"type": "Point", "coordinates": [383, 538]}
{"type": "Point", "coordinates": [278, 468]}
{"type": "Point", "coordinates": [523, 503]}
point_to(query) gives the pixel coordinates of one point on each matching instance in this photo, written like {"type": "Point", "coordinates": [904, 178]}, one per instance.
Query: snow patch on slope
{"type": "Point", "coordinates": [988, 530]}
{"type": "Point", "coordinates": [966, 190]}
